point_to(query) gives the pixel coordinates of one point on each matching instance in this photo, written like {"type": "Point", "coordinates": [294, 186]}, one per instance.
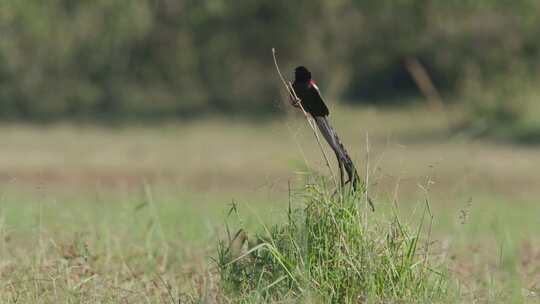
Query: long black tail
{"type": "Point", "coordinates": [333, 140]}
{"type": "Point", "coordinates": [342, 156]}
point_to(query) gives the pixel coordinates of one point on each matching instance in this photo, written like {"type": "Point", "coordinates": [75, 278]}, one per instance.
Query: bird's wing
{"type": "Point", "coordinates": [316, 94]}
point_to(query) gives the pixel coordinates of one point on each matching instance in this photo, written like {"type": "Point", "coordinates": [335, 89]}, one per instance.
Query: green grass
{"type": "Point", "coordinates": [332, 249]}
{"type": "Point", "coordinates": [126, 247]}
{"type": "Point", "coordinates": [90, 214]}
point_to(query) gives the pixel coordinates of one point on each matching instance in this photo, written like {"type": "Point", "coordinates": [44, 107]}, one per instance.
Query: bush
{"type": "Point", "coordinates": [496, 108]}
{"type": "Point", "coordinates": [327, 251]}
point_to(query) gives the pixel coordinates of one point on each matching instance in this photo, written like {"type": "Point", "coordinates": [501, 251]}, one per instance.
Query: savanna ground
{"type": "Point", "coordinates": [133, 214]}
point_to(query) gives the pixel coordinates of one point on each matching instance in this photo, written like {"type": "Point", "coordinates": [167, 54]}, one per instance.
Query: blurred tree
{"type": "Point", "coordinates": [155, 58]}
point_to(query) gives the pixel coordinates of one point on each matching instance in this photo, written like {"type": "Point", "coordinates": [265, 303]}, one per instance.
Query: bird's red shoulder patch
{"type": "Point", "coordinates": [313, 85]}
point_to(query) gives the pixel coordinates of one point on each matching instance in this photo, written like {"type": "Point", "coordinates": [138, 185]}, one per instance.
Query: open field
{"type": "Point", "coordinates": [132, 214]}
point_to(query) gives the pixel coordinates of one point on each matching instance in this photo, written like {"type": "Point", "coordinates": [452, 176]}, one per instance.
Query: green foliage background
{"type": "Point", "coordinates": [181, 58]}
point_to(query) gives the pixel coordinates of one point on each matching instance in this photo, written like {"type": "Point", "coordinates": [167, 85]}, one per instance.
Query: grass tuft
{"type": "Point", "coordinates": [326, 252]}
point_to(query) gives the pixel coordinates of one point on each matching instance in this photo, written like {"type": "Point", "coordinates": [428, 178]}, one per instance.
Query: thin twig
{"type": "Point", "coordinates": [367, 180]}
{"type": "Point", "coordinates": [366, 190]}
{"type": "Point", "coordinates": [293, 96]}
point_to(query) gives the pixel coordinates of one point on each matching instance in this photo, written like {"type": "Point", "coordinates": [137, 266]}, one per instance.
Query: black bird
{"type": "Point", "coordinates": [313, 103]}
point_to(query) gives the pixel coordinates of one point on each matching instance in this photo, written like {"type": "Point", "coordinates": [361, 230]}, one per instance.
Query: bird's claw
{"type": "Point", "coordinates": [295, 102]}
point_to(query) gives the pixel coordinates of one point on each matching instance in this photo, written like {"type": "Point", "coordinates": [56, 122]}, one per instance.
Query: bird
{"type": "Point", "coordinates": [311, 100]}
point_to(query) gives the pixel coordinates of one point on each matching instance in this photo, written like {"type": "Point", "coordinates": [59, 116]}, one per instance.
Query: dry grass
{"type": "Point", "coordinates": [218, 155]}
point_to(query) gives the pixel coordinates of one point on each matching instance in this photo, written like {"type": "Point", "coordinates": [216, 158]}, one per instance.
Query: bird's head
{"type": "Point", "coordinates": [302, 74]}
